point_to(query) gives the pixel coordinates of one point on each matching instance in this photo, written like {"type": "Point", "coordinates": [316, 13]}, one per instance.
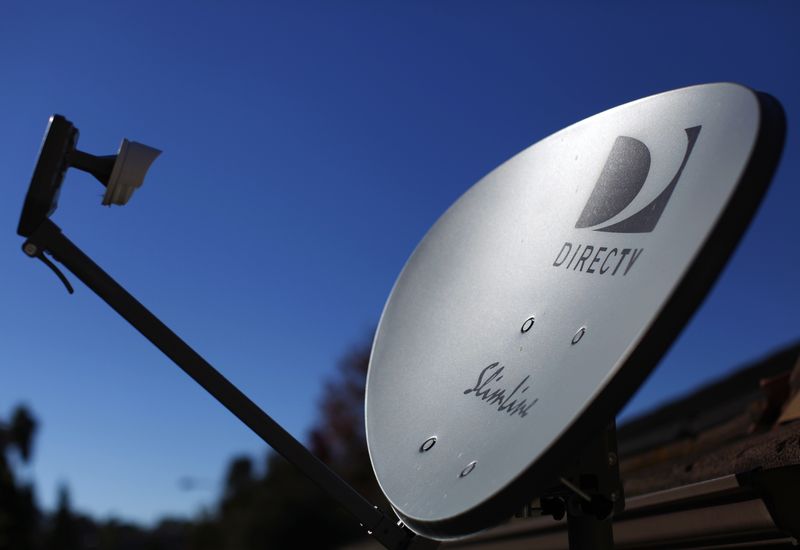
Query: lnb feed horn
{"type": "Point", "coordinates": [121, 173]}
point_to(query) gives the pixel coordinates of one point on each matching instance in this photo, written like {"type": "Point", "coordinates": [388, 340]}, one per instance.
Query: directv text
{"type": "Point", "coordinates": [601, 260]}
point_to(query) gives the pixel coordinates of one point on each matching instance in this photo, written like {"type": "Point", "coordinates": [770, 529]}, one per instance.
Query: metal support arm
{"type": "Point", "coordinates": [384, 527]}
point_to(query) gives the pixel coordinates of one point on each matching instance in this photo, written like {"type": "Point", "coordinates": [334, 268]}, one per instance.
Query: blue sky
{"type": "Point", "coordinates": [307, 149]}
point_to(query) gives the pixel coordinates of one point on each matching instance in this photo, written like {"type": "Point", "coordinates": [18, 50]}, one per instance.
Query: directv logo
{"type": "Point", "coordinates": [604, 260]}
{"type": "Point", "coordinates": [621, 180]}
{"type": "Point", "coordinates": [623, 176]}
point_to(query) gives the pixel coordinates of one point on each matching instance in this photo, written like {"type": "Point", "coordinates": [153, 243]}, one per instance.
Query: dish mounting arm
{"type": "Point", "coordinates": [391, 533]}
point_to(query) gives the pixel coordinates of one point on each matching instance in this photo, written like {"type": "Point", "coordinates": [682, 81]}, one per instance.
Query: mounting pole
{"type": "Point", "coordinates": [383, 527]}
{"type": "Point", "coordinates": [586, 532]}
{"type": "Point", "coordinates": [590, 493]}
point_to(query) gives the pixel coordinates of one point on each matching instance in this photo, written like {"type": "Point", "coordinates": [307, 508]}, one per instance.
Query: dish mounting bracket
{"type": "Point", "coordinates": [589, 494]}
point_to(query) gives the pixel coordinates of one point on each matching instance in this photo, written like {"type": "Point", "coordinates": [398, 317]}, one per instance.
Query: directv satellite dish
{"type": "Point", "coordinates": [540, 301]}
{"type": "Point", "coordinates": [524, 320]}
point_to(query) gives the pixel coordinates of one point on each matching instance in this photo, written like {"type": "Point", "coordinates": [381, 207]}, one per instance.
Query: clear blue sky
{"type": "Point", "coordinates": [306, 151]}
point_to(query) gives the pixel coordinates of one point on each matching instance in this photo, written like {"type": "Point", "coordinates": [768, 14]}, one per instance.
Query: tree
{"type": "Point", "coordinates": [18, 513]}
{"type": "Point", "coordinates": [64, 533]}
{"type": "Point", "coordinates": [338, 437]}
{"type": "Point", "coordinates": [284, 509]}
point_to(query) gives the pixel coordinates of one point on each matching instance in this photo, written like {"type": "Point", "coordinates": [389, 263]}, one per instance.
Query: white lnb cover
{"type": "Point", "coordinates": [133, 161]}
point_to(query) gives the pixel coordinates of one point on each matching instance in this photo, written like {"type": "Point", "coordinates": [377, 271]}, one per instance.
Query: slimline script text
{"type": "Point", "coordinates": [510, 403]}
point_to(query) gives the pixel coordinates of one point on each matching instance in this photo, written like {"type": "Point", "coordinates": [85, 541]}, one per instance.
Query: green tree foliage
{"type": "Point", "coordinates": [283, 509]}
{"type": "Point", "coordinates": [18, 513]}
{"type": "Point", "coordinates": [339, 436]}
{"type": "Point", "coordinates": [24, 527]}
{"type": "Point", "coordinates": [64, 533]}
{"type": "Point", "coordinates": [277, 509]}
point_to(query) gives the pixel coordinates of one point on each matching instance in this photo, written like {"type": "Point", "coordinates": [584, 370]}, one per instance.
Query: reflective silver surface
{"type": "Point", "coordinates": [452, 358]}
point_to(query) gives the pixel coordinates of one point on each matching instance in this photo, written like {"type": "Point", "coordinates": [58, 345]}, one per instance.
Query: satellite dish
{"type": "Point", "coordinates": [524, 320]}
{"type": "Point", "coordinates": [540, 301]}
